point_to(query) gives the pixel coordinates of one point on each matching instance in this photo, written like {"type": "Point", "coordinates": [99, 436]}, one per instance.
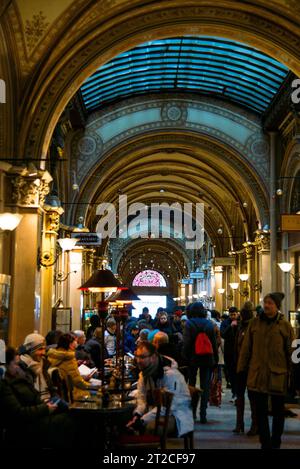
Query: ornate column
{"type": "Point", "coordinates": [28, 191]}
{"type": "Point", "coordinates": [88, 262]}
{"type": "Point", "coordinates": [249, 251]}
{"type": "Point", "coordinates": [273, 226]}
{"type": "Point", "coordinates": [50, 230]}
{"type": "Point", "coordinates": [219, 284]}
{"type": "Point", "coordinates": [262, 241]}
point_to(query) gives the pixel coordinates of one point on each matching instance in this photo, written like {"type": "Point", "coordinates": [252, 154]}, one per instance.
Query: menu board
{"type": "Point", "coordinates": [62, 319]}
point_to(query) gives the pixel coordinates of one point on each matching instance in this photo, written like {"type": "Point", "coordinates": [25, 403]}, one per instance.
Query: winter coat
{"type": "Point", "coordinates": [229, 335]}
{"type": "Point", "coordinates": [166, 328]}
{"type": "Point", "coordinates": [20, 402]}
{"type": "Point", "coordinates": [192, 328]}
{"type": "Point", "coordinates": [66, 363]}
{"type": "Point", "coordinates": [27, 419]}
{"type": "Point", "coordinates": [173, 381]}
{"type": "Point", "coordinates": [110, 343]}
{"type": "Point", "coordinates": [93, 348]}
{"type": "Point", "coordinates": [266, 354]}
{"type": "Point", "coordinates": [130, 342]}
{"type": "Point", "coordinates": [239, 339]}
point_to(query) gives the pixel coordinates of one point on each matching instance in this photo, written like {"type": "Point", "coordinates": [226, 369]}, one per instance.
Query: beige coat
{"type": "Point", "coordinates": [266, 354]}
{"type": "Point", "coordinates": [66, 363]}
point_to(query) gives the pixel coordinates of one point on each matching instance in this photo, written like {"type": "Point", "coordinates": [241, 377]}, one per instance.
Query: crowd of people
{"type": "Point", "coordinates": [250, 349]}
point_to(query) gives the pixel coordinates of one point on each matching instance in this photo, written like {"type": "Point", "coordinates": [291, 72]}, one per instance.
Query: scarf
{"type": "Point", "coordinates": [40, 383]}
{"type": "Point", "coordinates": [264, 317]}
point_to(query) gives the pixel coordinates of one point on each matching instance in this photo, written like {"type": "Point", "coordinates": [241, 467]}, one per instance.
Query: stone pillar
{"type": "Point", "coordinates": [75, 280]}
{"type": "Point", "coordinates": [273, 225]}
{"type": "Point", "coordinates": [263, 248]}
{"type": "Point", "coordinates": [219, 284]}
{"type": "Point", "coordinates": [28, 191]}
{"type": "Point", "coordinates": [48, 248]}
{"type": "Point", "coordinates": [285, 277]}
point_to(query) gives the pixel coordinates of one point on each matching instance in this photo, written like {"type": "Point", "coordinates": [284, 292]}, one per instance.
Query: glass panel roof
{"type": "Point", "coordinates": [205, 65]}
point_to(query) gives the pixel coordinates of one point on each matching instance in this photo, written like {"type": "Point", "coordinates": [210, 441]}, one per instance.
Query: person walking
{"type": "Point", "coordinates": [266, 355]}
{"type": "Point", "coordinates": [199, 331]}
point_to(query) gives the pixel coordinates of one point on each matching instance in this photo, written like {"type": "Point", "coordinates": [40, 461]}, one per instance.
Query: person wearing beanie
{"type": "Point", "coordinates": [176, 323]}
{"type": "Point", "coordinates": [266, 358]}
{"type": "Point", "coordinates": [33, 363]}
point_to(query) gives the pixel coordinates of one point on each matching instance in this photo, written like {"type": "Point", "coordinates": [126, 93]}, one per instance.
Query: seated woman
{"type": "Point", "coordinates": [63, 358]}
{"type": "Point", "coordinates": [38, 423]}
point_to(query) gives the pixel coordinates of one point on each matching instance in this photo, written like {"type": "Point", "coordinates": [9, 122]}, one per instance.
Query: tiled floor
{"type": "Point", "coordinates": [217, 433]}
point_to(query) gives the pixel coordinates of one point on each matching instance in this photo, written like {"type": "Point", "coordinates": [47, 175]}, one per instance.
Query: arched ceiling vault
{"type": "Point", "coordinates": [95, 41]}
{"type": "Point", "coordinates": [193, 174]}
{"type": "Point", "coordinates": [168, 257]}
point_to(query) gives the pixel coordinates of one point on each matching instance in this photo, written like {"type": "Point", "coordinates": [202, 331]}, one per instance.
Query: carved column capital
{"type": "Point", "coordinates": [52, 218]}
{"type": "Point", "coordinates": [248, 249]}
{"type": "Point", "coordinates": [29, 187]}
{"type": "Point", "coordinates": [262, 240]}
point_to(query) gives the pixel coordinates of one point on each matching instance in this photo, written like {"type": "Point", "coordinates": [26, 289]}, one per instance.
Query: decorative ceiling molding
{"type": "Point", "coordinates": [57, 84]}
{"type": "Point", "coordinates": [239, 130]}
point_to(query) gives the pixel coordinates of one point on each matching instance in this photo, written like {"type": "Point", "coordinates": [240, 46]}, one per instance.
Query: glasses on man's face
{"type": "Point", "coordinates": [142, 357]}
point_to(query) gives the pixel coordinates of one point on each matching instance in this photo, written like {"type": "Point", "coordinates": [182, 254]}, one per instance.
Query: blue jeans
{"type": "Point", "coordinates": [205, 376]}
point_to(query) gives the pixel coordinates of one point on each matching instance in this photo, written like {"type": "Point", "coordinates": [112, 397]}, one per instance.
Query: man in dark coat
{"type": "Point", "coordinates": [266, 356]}
{"type": "Point", "coordinates": [196, 324]}
{"type": "Point", "coordinates": [229, 329]}
{"type": "Point", "coordinates": [94, 348]}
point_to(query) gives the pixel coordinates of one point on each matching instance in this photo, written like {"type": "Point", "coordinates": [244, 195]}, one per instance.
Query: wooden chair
{"type": "Point", "coordinates": [188, 438]}
{"type": "Point", "coordinates": [161, 399]}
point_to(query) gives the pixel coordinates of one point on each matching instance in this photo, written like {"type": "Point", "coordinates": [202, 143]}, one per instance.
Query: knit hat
{"type": "Point", "coordinates": [79, 333]}
{"type": "Point", "coordinates": [34, 342]}
{"type": "Point", "coordinates": [248, 305]}
{"type": "Point", "coordinates": [178, 313]}
{"type": "Point", "coordinates": [277, 297]}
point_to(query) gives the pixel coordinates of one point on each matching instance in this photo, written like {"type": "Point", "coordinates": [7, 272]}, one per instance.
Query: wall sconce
{"type": "Point", "coordinates": [221, 291]}
{"type": "Point", "coordinates": [235, 286]}
{"type": "Point", "coordinates": [9, 221]}
{"type": "Point", "coordinates": [247, 286]}
{"type": "Point", "coordinates": [49, 258]}
{"type": "Point", "coordinates": [286, 267]}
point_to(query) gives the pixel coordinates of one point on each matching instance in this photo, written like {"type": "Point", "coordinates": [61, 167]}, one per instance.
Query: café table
{"type": "Point", "coordinates": [104, 416]}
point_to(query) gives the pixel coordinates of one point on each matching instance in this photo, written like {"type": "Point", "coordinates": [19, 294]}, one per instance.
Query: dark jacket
{"type": "Point", "coordinates": [192, 328]}
{"type": "Point", "coordinates": [20, 402]}
{"type": "Point", "coordinates": [27, 419]}
{"type": "Point", "coordinates": [266, 354]}
{"type": "Point", "coordinates": [130, 342]}
{"type": "Point", "coordinates": [94, 349]}
{"type": "Point", "coordinates": [229, 335]}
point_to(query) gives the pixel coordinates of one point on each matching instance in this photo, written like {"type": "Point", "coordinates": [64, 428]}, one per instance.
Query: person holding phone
{"type": "Point", "coordinates": [23, 412]}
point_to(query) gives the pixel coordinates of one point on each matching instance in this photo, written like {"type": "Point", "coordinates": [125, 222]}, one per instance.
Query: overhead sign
{"type": "Point", "coordinates": [187, 281]}
{"type": "Point", "coordinates": [196, 275]}
{"type": "Point", "coordinates": [224, 261]}
{"type": "Point", "coordinates": [290, 222]}
{"type": "Point", "coordinates": [87, 239]}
